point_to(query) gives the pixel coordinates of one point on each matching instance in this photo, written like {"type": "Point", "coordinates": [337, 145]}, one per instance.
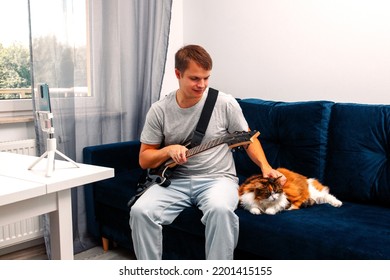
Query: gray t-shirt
{"type": "Point", "coordinates": [169, 124]}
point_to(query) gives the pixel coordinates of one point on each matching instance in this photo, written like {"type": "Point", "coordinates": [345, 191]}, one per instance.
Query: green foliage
{"type": "Point", "coordinates": [15, 67]}
{"type": "Point", "coordinates": [55, 63]}
{"type": "Point", "coordinates": [59, 64]}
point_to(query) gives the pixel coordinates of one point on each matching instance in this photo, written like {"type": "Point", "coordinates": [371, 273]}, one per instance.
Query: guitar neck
{"type": "Point", "coordinates": [233, 140]}
{"type": "Point", "coordinates": [205, 146]}
{"type": "Point", "coordinates": [198, 149]}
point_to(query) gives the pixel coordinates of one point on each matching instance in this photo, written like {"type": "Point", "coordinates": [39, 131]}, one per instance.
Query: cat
{"type": "Point", "coordinates": [265, 195]}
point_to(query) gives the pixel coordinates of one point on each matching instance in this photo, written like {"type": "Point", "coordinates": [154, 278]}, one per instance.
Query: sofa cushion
{"type": "Point", "coordinates": [293, 135]}
{"type": "Point", "coordinates": [359, 149]}
{"type": "Point", "coordinates": [317, 232]}
{"type": "Point", "coordinates": [185, 237]}
{"type": "Point", "coordinates": [353, 231]}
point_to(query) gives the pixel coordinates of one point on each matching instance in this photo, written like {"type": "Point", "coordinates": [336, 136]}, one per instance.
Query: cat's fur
{"type": "Point", "coordinates": [265, 195]}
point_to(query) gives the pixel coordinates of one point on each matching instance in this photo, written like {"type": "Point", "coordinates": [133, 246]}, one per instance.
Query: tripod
{"type": "Point", "coordinates": [45, 118]}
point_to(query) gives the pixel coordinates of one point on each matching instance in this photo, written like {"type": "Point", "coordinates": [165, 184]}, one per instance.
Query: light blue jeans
{"type": "Point", "coordinates": [216, 198]}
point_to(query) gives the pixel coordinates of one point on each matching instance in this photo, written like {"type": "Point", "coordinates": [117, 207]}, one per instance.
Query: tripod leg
{"type": "Point", "coordinates": [67, 158]}
{"type": "Point", "coordinates": [38, 160]}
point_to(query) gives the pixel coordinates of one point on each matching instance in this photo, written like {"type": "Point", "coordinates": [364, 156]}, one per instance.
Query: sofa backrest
{"type": "Point", "coordinates": [358, 166]}
{"type": "Point", "coordinates": [294, 135]}
{"type": "Point", "coordinates": [123, 156]}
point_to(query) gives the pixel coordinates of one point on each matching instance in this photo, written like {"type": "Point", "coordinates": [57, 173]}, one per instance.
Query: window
{"type": "Point", "coordinates": [15, 75]}
{"type": "Point", "coordinates": [58, 34]}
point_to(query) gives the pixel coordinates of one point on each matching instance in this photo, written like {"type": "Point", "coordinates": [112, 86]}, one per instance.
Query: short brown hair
{"type": "Point", "coordinates": [192, 52]}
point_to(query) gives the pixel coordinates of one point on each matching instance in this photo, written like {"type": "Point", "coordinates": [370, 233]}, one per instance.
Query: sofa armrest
{"type": "Point", "coordinates": [121, 156]}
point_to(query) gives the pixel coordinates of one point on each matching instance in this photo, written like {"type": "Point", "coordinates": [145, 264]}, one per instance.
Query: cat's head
{"type": "Point", "coordinates": [265, 188]}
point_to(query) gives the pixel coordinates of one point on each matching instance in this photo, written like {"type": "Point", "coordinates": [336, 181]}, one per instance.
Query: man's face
{"type": "Point", "coordinates": [194, 80]}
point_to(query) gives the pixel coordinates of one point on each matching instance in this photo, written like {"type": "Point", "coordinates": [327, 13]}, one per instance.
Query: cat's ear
{"type": "Point", "coordinates": [273, 180]}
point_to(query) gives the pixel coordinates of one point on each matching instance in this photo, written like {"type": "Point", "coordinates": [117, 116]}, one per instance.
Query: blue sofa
{"type": "Point", "coordinates": [346, 146]}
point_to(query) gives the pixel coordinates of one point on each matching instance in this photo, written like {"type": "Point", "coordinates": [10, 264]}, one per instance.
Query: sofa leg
{"type": "Point", "coordinates": [105, 243]}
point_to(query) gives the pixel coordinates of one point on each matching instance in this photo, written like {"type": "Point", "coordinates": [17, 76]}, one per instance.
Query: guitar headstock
{"type": "Point", "coordinates": [240, 138]}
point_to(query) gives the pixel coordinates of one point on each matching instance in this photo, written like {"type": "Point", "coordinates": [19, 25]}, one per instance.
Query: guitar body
{"type": "Point", "coordinates": [162, 174]}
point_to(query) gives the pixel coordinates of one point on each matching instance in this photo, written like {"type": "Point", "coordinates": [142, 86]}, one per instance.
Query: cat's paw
{"type": "Point", "coordinates": [336, 203]}
{"type": "Point", "coordinates": [270, 211]}
{"type": "Point", "coordinates": [292, 207]}
{"type": "Point", "coordinates": [255, 211]}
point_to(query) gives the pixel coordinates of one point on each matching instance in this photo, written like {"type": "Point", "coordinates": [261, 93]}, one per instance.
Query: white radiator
{"type": "Point", "coordinates": [28, 229]}
{"type": "Point", "coordinates": [24, 147]}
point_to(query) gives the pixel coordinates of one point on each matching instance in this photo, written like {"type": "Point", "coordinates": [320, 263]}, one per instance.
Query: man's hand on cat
{"type": "Point", "coordinates": [272, 173]}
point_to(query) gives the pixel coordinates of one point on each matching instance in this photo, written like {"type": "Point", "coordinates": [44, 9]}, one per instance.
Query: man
{"type": "Point", "coordinates": [208, 179]}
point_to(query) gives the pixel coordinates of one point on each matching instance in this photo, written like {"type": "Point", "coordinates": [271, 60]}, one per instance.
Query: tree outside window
{"type": "Point", "coordinates": [15, 74]}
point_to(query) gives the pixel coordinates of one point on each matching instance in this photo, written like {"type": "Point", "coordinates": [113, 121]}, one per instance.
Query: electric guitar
{"type": "Point", "coordinates": [161, 174]}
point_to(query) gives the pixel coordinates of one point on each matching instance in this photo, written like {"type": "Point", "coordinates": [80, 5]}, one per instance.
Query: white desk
{"type": "Point", "coordinates": [27, 193]}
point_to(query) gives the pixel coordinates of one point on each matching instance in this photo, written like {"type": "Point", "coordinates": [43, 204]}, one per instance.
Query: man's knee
{"type": "Point", "coordinates": [138, 212]}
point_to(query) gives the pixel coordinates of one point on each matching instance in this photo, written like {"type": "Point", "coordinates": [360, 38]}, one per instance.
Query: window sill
{"type": "Point", "coordinates": [18, 119]}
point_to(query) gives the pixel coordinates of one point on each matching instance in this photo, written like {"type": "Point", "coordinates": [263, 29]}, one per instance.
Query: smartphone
{"type": "Point", "coordinates": [44, 109]}
{"type": "Point", "coordinates": [43, 98]}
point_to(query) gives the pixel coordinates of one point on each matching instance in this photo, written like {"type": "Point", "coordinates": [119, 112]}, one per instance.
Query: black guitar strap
{"type": "Point", "coordinates": [204, 119]}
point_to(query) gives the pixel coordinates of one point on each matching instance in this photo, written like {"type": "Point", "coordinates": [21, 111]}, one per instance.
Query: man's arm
{"type": "Point", "coordinates": [256, 153]}
{"type": "Point", "coordinates": [151, 156]}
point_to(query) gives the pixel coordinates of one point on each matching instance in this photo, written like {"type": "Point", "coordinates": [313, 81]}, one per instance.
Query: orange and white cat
{"type": "Point", "coordinates": [266, 195]}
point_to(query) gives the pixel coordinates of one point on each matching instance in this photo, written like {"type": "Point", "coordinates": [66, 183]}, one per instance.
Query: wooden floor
{"type": "Point", "coordinates": [38, 252]}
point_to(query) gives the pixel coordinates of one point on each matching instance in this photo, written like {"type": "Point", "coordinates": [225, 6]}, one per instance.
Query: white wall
{"type": "Point", "coordinates": [292, 50]}
{"type": "Point", "coordinates": [283, 49]}
{"type": "Point", "coordinates": [16, 131]}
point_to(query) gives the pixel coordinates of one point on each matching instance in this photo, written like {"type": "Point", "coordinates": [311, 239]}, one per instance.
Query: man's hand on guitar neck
{"type": "Point", "coordinates": [178, 153]}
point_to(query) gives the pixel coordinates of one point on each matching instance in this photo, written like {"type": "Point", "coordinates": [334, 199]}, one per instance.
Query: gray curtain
{"type": "Point", "coordinates": [101, 88]}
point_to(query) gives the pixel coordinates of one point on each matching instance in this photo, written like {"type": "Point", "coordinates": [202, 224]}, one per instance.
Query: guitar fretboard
{"type": "Point", "coordinates": [205, 146]}
{"type": "Point", "coordinates": [237, 139]}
